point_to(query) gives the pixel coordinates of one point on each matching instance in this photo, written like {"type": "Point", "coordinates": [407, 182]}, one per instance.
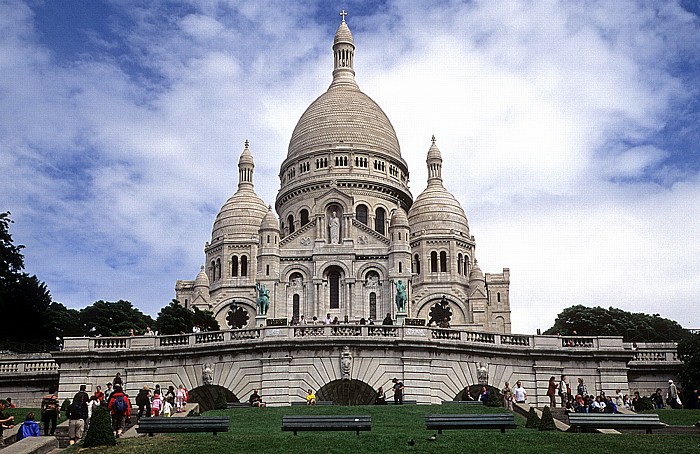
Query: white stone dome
{"type": "Point", "coordinates": [270, 222]}
{"type": "Point", "coordinates": [240, 216]}
{"type": "Point", "coordinates": [399, 218]}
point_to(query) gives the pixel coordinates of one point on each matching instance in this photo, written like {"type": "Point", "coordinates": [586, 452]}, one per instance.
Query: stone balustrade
{"type": "Point", "coordinates": [653, 352]}
{"type": "Point", "coordinates": [28, 367]}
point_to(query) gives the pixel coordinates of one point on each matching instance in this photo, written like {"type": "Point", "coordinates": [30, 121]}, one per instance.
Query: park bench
{"type": "Point", "coordinates": [326, 423]}
{"type": "Point", "coordinates": [238, 405]}
{"type": "Point", "coordinates": [584, 421]}
{"type": "Point", "coordinates": [501, 421]}
{"type": "Point", "coordinates": [462, 402]}
{"type": "Point", "coordinates": [318, 402]}
{"type": "Point", "coordinates": [405, 402]}
{"type": "Point", "coordinates": [213, 424]}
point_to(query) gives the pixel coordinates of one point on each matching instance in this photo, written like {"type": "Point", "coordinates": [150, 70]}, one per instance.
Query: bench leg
{"type": "Point", "coordinates": [503, 430]}
{"type": "Point", "coordinates": [649, 431]}
{"type": "Point", "coordinates": [357, 432]}
{"type": "Point", "coordinates": [295, 432]}
{"type": "Point", "coordinates": [150, 434]}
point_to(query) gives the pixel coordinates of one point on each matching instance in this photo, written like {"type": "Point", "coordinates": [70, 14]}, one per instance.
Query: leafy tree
{"type": "Point", "coordinates": [63, 322]}
{"type": "Point", "coordinates": [106, 318]}
{"type": "Point", "coordinates": [24, 299]}
{"type": "Point", "coordinates": [176, 318]}
{"type": "Point", "coordinates": [100, 431]}
{"type": "Point", "coordinates": [689, 354]}
{"type": "Point", "coordinates": [597, 321]}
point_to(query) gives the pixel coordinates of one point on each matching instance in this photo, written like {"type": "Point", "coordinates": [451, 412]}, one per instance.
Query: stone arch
{"type": "Point", "coordinates": [365, 268]}
{"type": "Point", "coordinates": [292, 269]}
{"type": "Point", "coordinates": [332, 263]}
{"type": "Point", "coordinates": [210, 397]}
{"type": "Point", "coordinates": [472, 392]}
{"type": "Point", "coordinates": [347, 392]}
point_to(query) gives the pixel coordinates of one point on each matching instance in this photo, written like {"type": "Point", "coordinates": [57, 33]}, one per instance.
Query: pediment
{"type": "Point", "coordinates": [333, 195]}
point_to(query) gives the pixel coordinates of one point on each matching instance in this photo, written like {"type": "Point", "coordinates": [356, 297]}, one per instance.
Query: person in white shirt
{"type": "Point", "coordinates": [519, 393]}
{"type": "Point", "coordinates": [328, 320]}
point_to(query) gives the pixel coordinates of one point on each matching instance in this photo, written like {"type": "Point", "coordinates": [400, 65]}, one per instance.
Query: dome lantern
{"type": "Point", "coordinates": [246, 165]}
{"type": "Point", "coordinates": [343, 54]}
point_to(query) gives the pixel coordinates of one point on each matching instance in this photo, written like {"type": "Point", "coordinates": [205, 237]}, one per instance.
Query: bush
{"type": "Point", "coordinates": [100, 431]}
{"type": "Point", "coordinates": [64, 406]}
{"type": "Point", "coordinates": [533, 421]}
{"type": "Point", "coordinates": [547, 421]}
{"type": "Point", "coordinates": [220, 400]}
{"type": "Point", "coordinates": [645, 403]}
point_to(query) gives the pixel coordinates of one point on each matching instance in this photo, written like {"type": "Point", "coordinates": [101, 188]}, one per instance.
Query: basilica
{"type": "Point", "coordinates": [346, 233]}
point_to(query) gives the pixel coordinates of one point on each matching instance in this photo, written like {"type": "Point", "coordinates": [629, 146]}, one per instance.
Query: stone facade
{"type": "Point", "coordinates": [348, 228]}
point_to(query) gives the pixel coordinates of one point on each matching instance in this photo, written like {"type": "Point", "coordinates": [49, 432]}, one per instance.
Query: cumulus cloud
{"type": "Point", "coordinates": [554, 119]}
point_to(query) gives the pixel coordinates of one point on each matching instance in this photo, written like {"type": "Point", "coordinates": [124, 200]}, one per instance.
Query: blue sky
{"type": "Point", "coordinates": [569, 130]}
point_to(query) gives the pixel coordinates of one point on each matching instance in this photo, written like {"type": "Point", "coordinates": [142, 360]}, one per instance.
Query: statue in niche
{"type": "Point", "coordinates": [263, 298]}
{"type": "Point", "coordinates": [372, 280]}
{"type": "Point", "coordinates": [345, 363]}
{"type": "Point", "coordinates": [482, 374]}
{"type": "Point", "coordinates": [207, 374]}
{"type": "Point", "coordinates": [401, 296]}
{"type": "Point", "coordinates": [334, 225]}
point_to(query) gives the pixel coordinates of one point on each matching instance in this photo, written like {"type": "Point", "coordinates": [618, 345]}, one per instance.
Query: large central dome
{"type": "Point", "coordinates": [343, 113]}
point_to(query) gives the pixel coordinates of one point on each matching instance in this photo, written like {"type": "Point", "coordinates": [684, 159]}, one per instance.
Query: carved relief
{"type": "Point", "coordinates": [207, 374]}
{"type": "Point", "coordinates": [345, 363]}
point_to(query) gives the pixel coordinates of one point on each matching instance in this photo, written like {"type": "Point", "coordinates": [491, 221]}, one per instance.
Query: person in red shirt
{"type": "Point", "coordinates": [99, 394]}
{"type": "Point", "coordinates": [120, 408]}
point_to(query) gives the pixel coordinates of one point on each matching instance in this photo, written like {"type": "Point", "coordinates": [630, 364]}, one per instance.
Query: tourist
{"type": "Point", "coordinates": [637, 402]}
{"type": "Point", "coordinates": [302, 321]}
{"type": "Point", "coordinates": [149, 332]}
{"type": "Point", "coordinates": [156, 404]}
{"type": "Point", "coordinates": [610, 406]}
{"type": "Point", "coordinates": [627, 401]}
{"type": "Point", "coordinates": [552, 392]}
{"type": "Point", "coordinates": [380, 397]}
{"type": "Point", "coordinates": [50, 409]}
{"type": "Point", "coordinates": [519, 393]}
{"type": "Point", "coordinates": [672, 397]}
{"type": "Point", "coordinates": [131, 332]}
{"type": "Point", "coordinates": [581, 388]}
{"type": "Point", "coordinates": [310, 397]}
{"type": "Point", "coordinates": [9, 403]}
{"type": "Point", "coordinates": [563, 391]}
{"type": "Point", "coordinates": [619, 398]}
{"type": "Point", "coordinates": [118, 380]}
{"type": "Point", "coordinates": [99, 394]}
{"type": "Point", "coordinates": [82, 393]}
{"type": "Point", "coordinates": [5, 421]}
{"type": "Point", "coordinates": [314, 320]}
{"type": "Point", "coordinates": [167, 409]}
{"type": "Point", "coordinates": [507, 397]}
{"type": "Point", "coordinates": [328, 320]}
{"type": "Point", "coordinates": [180, 399]}
{"type": "Point", "coordinates": [29, 428]}
{"type": "Point", "coordinates": [170, 395]}
{"type": "Point", "coordinates": [398, 391]}
{"type": "Point", "coordinates": [120, 408]}
{"type": "Point", "coordinates": [143, 400]}
{"type": "Point", "coordinates": [77, 414]}
{"type": "Point", "coordinates": [108, 392]}
{"type": "Point", "coordinates": [255, 400]}
{"type": "Point", "coordinates": [387, 320]}
{"type": "Point", "coordinates": [484, 395]}
{"type": "Point", "coordinates": [92, 404]}
{"type": "Point", "coordinates": [335, 321]}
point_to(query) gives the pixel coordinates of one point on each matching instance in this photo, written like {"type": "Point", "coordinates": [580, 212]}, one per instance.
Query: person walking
{"type": "Point", "coordinates": [50, 410]}
{"type": "Point", "coordinates": [507, 397]}
{"type": "Point", "coordinates": [143, 400]}
{"type": "Point", "coordinates": [77, 415]}
{"type": "Point", "coordinates": [519, 393]}
{"type": "Point", "coordinates": [552, 392]}
{"type": "Point", "coordinates": [563, 391]}
{"type": "Point", "coordinates": [398, 391]}
{"type": "Point", "coordinates": [120, 408]}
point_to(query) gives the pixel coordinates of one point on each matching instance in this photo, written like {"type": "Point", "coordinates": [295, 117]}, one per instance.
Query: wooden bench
{"type": "Point", "coordinates": [238, 405]}
{"type": "Point", "coordinates": [326, 423]}
{"type": "Point", "coordinates": [405, 402]}
{"type": "Point", "coordinates": [462, 402]}
{"type": "Point", "coordinates": [213, 424]}
{"type": "Point", "coordinates": [501, 421]}
{"type": "Point", "coordinates": [584, 421]}
{"type": "Point", "coordinates": [318, 402]}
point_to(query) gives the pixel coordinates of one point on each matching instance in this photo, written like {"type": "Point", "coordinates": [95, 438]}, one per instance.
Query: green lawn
{"type": "Point", "coordinates": [21, 413]}
{"type": "Point", "coordinates": [678, 417]}
{"type": "Point", "coordinates": [256, 430]}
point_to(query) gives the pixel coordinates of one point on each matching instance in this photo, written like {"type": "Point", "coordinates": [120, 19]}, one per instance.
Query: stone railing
{"type": "Point", "coordinates": [29, 367]}
{"type": "Point", "coordinates": [648, 352]}
{"type": "Point", "coordinates": [412, 333]}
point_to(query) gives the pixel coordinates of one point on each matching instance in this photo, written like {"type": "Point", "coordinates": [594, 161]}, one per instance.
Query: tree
{"type": "Point", "coordinates": [106, 318]}
{"type": "Point", "coordinates": [176, 318]}
{"type": "Point", "coordinates": [597, 321]}
{"type": "Point", "coordinates": [24, 299]}
{"type": "Point", "coordinates": [100, 431]}
{"type": "Point", "coordinates": [689, 354]}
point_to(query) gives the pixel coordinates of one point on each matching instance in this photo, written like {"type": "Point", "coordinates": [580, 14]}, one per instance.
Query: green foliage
{"type": "Point", "coordinates": [106, 318]}
{"type": "Point", "coordinates": [176, 318]}
{"type": "Point", "coordinates": [597, 321]}
{"type": "Point", "coordinates": [689, 354]}
{"type": "Point", "coordinates": [205, 320]}
{"type": "Point", "coordinates": [645, 403]}
{"type": "Point", "coordinates": [533, 421]}
{"type": "Point", "coordinates": [100, 431]}
{"type": "Point", "coordinates": [64, 406]}
{"type": "Point", "coordinates": [220, 402]}
{"type": "Point", "coordinates": [547, 421]}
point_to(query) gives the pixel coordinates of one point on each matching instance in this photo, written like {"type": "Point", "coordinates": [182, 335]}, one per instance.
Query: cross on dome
{"type": "Point", "coordinates": [343, 13]}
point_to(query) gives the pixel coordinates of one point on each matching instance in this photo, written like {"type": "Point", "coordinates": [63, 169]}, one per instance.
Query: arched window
{"type": "Point", "coordinates": [498, 297]}
{"type": "Point", "coordinates": [417, 262]}
{"type": "Point", "coordinates": [443, 262]}
{"type": "Point", "coordinates": [244, 265]}
{"type": "Point", "coordinates": [212, 271]}
{"type": "Point", "coordinates": [267, 270]}
{"type": "Point", "coordinates": [400, 270]}
{"type": "Point", "coordinates": [218, 269]}
{"type": "Point", "coordinates": [459, 264]}
{"type": "Point", "coordinates": [290, 223]}
{"type": "Point", "coordinates": [304, 214]}
{"type": "Point", "coordinates": [373, 306]}
{"type": "Point", "coordinates": [362, 213]}
{"type": "Point", "coordinates": [334, 287]}
{"type": "Point", "coordinates": [466, 265]}
{"type": "Point", "coordinates": [433, 262]}
{"type": "Point", "coordinates": [379, 216]}
{"type": "Point", "coordinates": [234, 266]}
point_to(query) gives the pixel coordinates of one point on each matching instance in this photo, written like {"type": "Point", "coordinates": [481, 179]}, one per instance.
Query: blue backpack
{"type": "Point", "coordinates": [119, 405]}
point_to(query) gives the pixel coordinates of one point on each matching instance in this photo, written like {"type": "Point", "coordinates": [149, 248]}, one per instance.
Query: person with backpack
{"type": "Point", "coordinates": [120, 408]}
{"type": "Point", "coordinates": [143, 400]}
{"type": "Point", "coordinates": [77, 414]}
{"type": "Point", "coordinates": [50, 410]}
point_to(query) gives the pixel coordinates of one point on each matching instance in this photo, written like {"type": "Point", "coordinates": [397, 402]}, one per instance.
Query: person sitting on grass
{"type": "Point", "coordinates": [255, 400]}
{"type": "Point", "coordinates": [380, 397]}
{"type": "Point", "coordinates": [29, 428]}
{"type": "Point", "coordinates": [310, 397]}
{"type": "Point", "coordinates": [484, 395]}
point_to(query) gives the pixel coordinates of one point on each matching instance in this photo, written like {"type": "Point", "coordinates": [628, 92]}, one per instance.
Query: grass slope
{"type": "Point", "coordinates": [256, 430]}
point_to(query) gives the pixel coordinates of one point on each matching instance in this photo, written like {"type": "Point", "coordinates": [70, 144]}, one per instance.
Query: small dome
{"type": "Point", "coordinates": [202, 280]}
{"type": "Point", "coordinates": [476, 274]}
{"type": "Point", "coordinates": [240, 216]}
{"type": "Point", "coordinates": [246, 156]}
{"type": "Point", "coordinates": [434, 152]}
{"type": "Point", "coordinates": [399, 218]}
{"type": "Point", "coordinates": [435, 209]}
{"type": "Point", "coordinates": [343, 34]}
{"type": "Point", "coordinates": [269, 222]}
